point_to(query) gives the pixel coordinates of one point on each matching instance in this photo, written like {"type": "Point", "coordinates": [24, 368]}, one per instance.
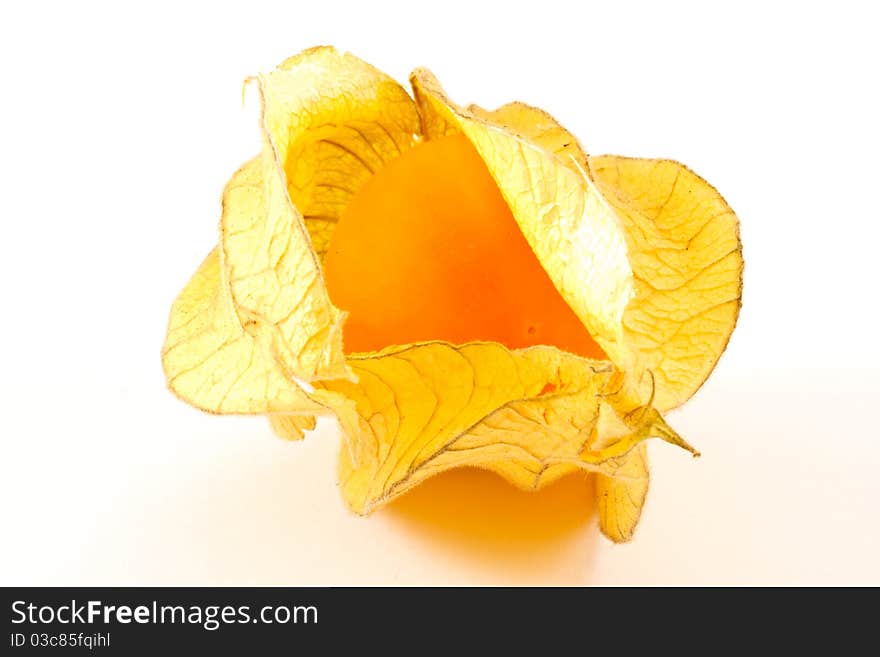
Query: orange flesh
{"type": "Point", "coordinates": [429, 250]}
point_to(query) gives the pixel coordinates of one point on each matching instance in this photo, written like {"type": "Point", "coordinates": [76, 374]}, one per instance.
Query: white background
{"type": "Point", "coordinates": [120, 127]}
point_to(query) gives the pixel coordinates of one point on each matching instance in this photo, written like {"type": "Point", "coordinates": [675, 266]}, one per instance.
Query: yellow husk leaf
{"type": "Point", "coordinates": [426, 408]}
{"type": "Point", "coordinates": [572, 229]}
{"type": "Point", "coordinates": [622, 495]}
{"type": "Point", "coordinates": [214, 363]}
{"type": "Point", "coordinates": [333, 120]}
{"type": "Point", "coordinates": [538, 127]}
{"type": "Point", "coordinates": [324, 114]}
{"type": "Point", "coordinates": [274, 277]}
{"type": "Point", "coordinates": [684, 247]}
